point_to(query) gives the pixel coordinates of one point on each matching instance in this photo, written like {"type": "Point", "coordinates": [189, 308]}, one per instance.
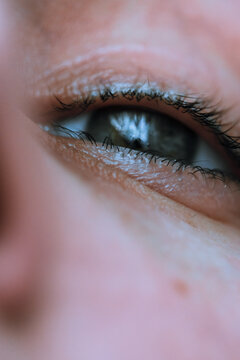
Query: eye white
{"type": "Point", "coordinates": [207, 157]}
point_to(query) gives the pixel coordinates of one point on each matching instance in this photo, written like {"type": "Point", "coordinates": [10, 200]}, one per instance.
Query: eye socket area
{"type": "Point", "coordinates": [146, 146]}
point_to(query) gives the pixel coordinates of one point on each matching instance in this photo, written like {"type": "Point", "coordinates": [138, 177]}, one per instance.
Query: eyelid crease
{"type": "Point", "coordinates": [200, 109]}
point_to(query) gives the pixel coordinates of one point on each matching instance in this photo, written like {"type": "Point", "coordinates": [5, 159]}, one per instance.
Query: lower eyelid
{"type": "Point", "coordinates": [203, 194]}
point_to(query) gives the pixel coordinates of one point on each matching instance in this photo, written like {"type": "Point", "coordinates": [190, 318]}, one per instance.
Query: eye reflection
{"type": "Point", "coordinates": [146, 131]}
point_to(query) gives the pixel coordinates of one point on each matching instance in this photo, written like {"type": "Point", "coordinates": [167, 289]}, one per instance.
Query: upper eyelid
{"type": "Point", "coordinates": [201, 110]}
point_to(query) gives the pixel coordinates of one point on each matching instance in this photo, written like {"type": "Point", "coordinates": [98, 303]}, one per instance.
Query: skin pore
{"type": "Point", "coordinates": [106, 266]}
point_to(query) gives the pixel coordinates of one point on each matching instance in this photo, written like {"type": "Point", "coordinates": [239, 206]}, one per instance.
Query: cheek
{"type": "Point", "coordinates": [122, 283]}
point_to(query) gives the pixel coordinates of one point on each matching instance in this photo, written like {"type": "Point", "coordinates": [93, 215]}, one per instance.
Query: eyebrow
{"type": "Point", "coordinates": [201, 110]}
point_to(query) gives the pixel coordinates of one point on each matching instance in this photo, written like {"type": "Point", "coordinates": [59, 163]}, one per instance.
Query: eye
{"type": "Point", "coordinates": [153, 147]}
{"type": "Point", "coordinates": [148, 132]}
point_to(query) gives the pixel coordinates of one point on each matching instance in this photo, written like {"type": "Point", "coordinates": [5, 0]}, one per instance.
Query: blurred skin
{"type": "Point", "coordinates": [96, 266]}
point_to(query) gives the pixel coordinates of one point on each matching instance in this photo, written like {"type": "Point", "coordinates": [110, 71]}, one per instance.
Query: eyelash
{"type": "Point", "coordinates": [200, 110]}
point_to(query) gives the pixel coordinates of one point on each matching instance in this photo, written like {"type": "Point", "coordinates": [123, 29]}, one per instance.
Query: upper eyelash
{"type": "Point", "coordinates": [200, 110]}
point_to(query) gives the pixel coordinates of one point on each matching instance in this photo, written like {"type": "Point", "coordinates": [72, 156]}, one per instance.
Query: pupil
{"type": "Point", "coordinates": [136, 144]}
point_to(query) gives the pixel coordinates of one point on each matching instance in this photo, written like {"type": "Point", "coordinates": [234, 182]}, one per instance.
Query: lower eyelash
{"type": "Point", "coordinates": [178, 164]}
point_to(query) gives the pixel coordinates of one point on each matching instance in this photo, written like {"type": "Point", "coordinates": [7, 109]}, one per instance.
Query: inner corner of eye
{"type": "Point", "coordinates": [142, 130]}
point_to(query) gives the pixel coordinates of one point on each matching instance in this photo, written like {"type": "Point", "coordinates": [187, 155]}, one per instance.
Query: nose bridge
{"type": "Point", "coordinates": [13, 138]}
{"type": "Point", "coordinates": [23, 188]}
{"type": "Point", "coordinates": [22, 174]}
{"type": "Point", "coordinates": [25, 211]}
{"type": "Point", "coordinates": [19, 163]}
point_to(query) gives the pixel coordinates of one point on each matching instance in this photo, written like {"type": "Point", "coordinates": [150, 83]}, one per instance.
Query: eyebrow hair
{"type": "Point", "coordinates": [201, 110]}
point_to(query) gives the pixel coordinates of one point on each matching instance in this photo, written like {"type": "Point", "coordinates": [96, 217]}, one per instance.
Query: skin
{"type": "Point", "coordinates": [94, 263]}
